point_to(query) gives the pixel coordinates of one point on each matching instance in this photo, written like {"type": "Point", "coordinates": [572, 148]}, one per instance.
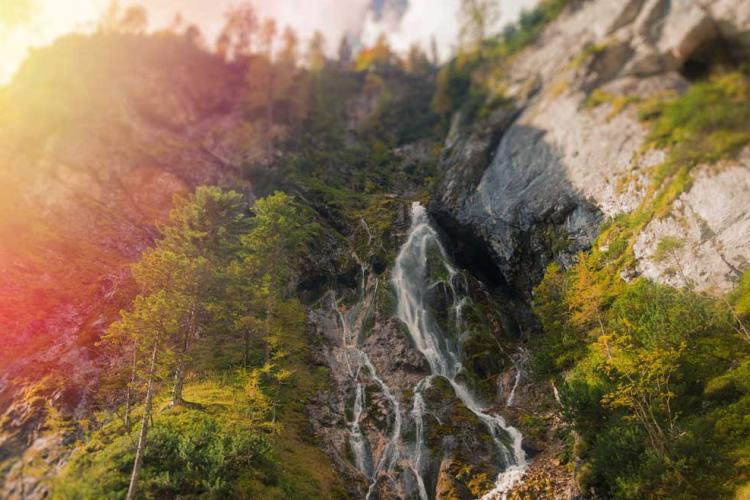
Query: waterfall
{"type": "Point", "coordinates": [410, 281]}
{"type": "Point", "coordinates": [417, 413]}
{"type": "Point", "coordinates": [357, 440]}
{"type": "Point", "coordinates": [359, 367]}
{"type": "Point", "coordinates": [519, 360]}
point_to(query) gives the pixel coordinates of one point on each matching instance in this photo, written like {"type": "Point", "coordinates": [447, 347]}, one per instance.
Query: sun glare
{"type": "Point", "coordinates": [25, 24]}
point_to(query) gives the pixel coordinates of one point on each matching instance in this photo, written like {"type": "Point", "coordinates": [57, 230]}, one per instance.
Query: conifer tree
{"type": "Point", "coordinates": [477, 18]}
{"type": "Point", "coordinates": [316, 57]}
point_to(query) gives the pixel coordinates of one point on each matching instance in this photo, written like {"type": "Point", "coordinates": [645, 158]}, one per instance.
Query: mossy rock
{"type": "Point", "coordinates": [460, 480]}
{"type": "Point", "coordinates": [454, 430]}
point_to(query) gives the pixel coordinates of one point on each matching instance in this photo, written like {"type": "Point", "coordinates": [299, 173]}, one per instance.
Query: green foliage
{"type": "Point", "coordinates": [530, 26]}
{"type": "Point", "coordinates": [197, 455]}
{"type": "Point", "coordinates": [461, 85]}
{"type": "Point", "coordinates": [401, 113]}
{"type": "Point", "coordinates": [741, 297]}
{"type": "Point", "coordinates": [216, 307]}
{"type": "Point", "coordinates": [617, 102]}
{"type": "Point", "coordinates": [455, 87]}
{"type": "Point", "coordinates": [653, 388]}
{"type": "Point", "coordinates": [191, 452]}
{"type": "Point", "coordinates": [278, 240]}
{"type": "Point", "coordinates": [708, 122]}
{"type": "Point", "coordinates": [205, 223]}
{"type": "Point", "coordinates": [562, 345]}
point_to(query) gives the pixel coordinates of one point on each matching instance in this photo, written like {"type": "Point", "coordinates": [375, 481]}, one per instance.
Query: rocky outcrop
{"type": "Point", "coordinates": [561, 167]}
{"type": "Point", "coordinates": [710, 226]}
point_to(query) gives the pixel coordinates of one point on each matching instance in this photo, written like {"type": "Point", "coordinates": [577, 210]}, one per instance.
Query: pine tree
{"type": "Point", "coordinates": [239, 32]}
{"type": "Point", "coordinates": [477, 18]}
{"type": "Point", "coordinates": [151, 325]}
{"type": "Point", "coordinates": [345, 52]}
{"type": "Point", "coordinates": [316, 56]}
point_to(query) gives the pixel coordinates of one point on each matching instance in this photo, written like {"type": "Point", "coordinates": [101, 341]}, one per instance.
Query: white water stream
{"type": "Point", "coordinates": [411, 283]}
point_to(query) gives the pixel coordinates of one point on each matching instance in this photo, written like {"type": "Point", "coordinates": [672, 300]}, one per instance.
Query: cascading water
{"type": "Point", "coordinates": [410, 281]}
{"type": "Point", "coordinates": [357, 440]}
{"type": "Point", "coordinates": [412, 285]}
{"type": "Point", "coordinates": [519, 360]}
{"type": "Point", "coordinates": [360, 368]}
{"type": "Point", "coordinates": [417, 413]}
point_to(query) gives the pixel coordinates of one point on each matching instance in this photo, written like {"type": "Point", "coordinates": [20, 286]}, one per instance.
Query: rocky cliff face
{"type": "Point", "coordinates": [538, 178]}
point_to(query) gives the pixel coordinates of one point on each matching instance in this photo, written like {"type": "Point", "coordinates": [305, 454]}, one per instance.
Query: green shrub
{"type": "Point", "coordinates": [708, 122]}
{"type": "Point", "coordinates": [196, 455]}
{"type": "Point", "coordinates": [658, 390]}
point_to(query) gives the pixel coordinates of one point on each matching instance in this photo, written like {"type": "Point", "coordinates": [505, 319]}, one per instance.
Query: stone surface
{"type": "Point", "coordinates": [712, 223]}
{"type": "Point", "coordinates": [561, 167]}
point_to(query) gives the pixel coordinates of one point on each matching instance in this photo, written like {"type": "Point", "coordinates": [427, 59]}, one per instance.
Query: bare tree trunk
{"type": "Point", "coordinates": [179, 376]}
{"type": "Point", "coordinates": [179, 382]}
{"type": "Point", "coordinates": [246, 357]}
{"type": "Point", "coordinates": [270, 112]}
{"type": "Point", "coordinates": [133, 488]}
{"type": "Point", "coordinates": [129, 393]}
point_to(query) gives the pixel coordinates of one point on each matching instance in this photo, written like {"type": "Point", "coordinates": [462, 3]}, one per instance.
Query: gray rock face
{"type": "Point", "coordinates": [712, 227]}
{"type": "Point", "coordinates": [561, 167]}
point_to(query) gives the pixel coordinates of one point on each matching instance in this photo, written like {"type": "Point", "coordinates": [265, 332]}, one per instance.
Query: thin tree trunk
{"type": "Point", "coordinates": [129, 393]}
{"type": "Point", "coordinates": [133, 488]}
{"type": "Point", "coordinates": [246, 356]}
{"type": "Point", "coordinates": [179, 382]}
{"type": "Point", "coordinates": [266, 350]}
{"type": "Point", "coordinates": [179, 376]}
{"type": "Point", "coordinates": [269, 113]}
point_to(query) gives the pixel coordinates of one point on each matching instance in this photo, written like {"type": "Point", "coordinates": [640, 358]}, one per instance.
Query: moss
{"type": "Point", "coordinates": [385, 300]}
{"type": "Point", "coordinates": [617, 102]}
{"type": "Point", "coordinates": [711, 121]}
{"type": "Point", "coordinates": [741, 297]}
{"type": "Point", "coordinates": [707, 123]}
{"type": "Point", "coordinates": [591, 49]}
{"type": "Point", "coordinates": [557, 238]}
{"type": "Point", "coordinates": [535, 426]}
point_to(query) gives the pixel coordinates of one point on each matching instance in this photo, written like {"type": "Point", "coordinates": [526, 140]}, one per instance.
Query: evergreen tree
{"type": "Point", "coordinates": [290, 50]}
{"type": "Point", "coordinates": [239, 32]}
{"type": "Point", "coordinates": [152, 324]}
{"type": "Point", "coordinates": [477, 18]}
{"type": "Point", "coordinates": [345, 52]}
{"type": "Point", "coordinates": [267, 37]}
{"type": "Point", "coordinates": [316, 56]}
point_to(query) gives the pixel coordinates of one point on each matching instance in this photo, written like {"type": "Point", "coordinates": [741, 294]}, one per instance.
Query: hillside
{"type": "Point", "coordinates": [519, 274]}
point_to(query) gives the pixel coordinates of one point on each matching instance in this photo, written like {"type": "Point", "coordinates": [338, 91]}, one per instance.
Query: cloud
{"type": "Point", "coordinates": [425, 19]}
{"type": "Point", "coordinates": [39, 22]}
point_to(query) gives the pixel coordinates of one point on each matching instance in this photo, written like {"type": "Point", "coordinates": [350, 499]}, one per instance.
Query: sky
{"type": "Point", "coordinates": [25, 24]}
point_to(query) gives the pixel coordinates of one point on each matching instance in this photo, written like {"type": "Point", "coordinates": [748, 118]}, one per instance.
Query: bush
{"type": "Point", "coordinates": [658, 390]}
{"type": "Point", "coordinates": [196, 455]}
{"type": "Point", "coordinates": [711, 120]}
